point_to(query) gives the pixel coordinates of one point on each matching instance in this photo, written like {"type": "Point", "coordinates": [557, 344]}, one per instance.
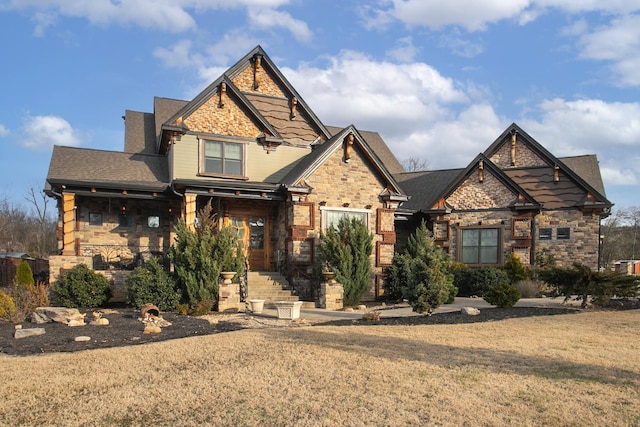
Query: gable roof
{"type": "Point", "coordinates": [585, 166]}
{"type": "Point", "coordinates": [425, 187]}
{"type": "Point", "coordinates": [310, 163]}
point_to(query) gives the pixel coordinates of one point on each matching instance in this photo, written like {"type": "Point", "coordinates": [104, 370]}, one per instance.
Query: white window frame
{"type": "Point", "coordinates": [348, 212]}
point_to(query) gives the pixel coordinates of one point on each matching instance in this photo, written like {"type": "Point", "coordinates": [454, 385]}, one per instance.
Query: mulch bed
{"type": "Point", "coordinates": [126, 329]}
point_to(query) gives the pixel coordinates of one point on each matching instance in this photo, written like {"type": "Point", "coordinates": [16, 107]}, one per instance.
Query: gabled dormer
{"type": "Point", "coordinates": [547, 178]}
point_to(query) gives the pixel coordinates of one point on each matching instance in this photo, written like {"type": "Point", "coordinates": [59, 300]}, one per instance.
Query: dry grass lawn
{"type": "Point", "coordinates": [567, 370]}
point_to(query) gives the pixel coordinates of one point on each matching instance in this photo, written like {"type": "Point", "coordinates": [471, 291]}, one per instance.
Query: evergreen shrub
{"type": "Point", "coordinates": [475, 281]}
{"type": "Point", "coordinates": [81, 287]}
{"type": "Point", "coordinates": [150, 283]}
{"type": "Point", "coordinates": [502, 295]}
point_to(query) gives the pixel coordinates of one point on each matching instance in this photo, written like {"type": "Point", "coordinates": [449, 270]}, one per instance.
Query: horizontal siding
{"type": "Point", "coordinates": [261, 166]}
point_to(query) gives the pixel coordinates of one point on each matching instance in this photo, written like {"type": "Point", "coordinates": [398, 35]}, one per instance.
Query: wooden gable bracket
{"type": "Point", "coordinates": [222, 94]}
{"type": "Point", "coordinates": [556, 173]}
{"type": "Point", "coordinates": [293, 107]}
{"type": "Point", "coordinates": [480, 171]}
{"type": "Point", "coordinates": [257, 62]}
{"type": "Point", "coordinates": [514, 132]}
{"type": "Point", "coordinates": [348, 147]}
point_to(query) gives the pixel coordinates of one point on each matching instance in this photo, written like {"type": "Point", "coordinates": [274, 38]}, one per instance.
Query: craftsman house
{"type": "Point", "coordinates": [251, 147]}
{"type": "Point", "coordinates": [248, 145]}
{"type": "Point", "coordinates": [515, 197]}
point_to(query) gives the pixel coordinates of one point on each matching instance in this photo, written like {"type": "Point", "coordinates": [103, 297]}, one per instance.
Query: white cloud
{"type": "Point", "coordinates": [404, 51]}
{"type": "Point", "coordinates": [43, 132]}
{"type": "Point", "coordinates": [3, 130]}
{"type": "Point", "coordinates": [266, 19]}
{"type": "Point", "coordinates": [617, 43]}
{"type": "Point", "coordinates": [173, 16]}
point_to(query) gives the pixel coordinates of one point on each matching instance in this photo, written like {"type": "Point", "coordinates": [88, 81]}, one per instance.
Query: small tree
{"type": "Point", "coordinates": [199, 255]}
{"type": "Point", "coordinates": [515, 269]}
{"type": "Point", "coordinates": [422, 273]}
{"type": "Point", "coordinates": [81, 287]}
{"type": "Point", "coordinates": [347, 250]}
{"type": "Point", "coordinates": [24, 292]}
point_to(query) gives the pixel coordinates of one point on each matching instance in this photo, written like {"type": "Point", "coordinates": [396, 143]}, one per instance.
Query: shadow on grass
{"type": "Point", "coordinates": [361, 341]}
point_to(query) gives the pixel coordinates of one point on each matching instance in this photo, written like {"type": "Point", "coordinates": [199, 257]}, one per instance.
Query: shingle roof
{"type": "Point", "coordinates": [587, 168]}
{"type": "Point", "coordinates": [100, 167]}
{"type": "Point", "coordinates": [425, 187]}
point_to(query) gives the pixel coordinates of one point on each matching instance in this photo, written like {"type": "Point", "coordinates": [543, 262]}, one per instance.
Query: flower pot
{"type": "Point", "coordinates": [288, 309]}
{"type": "Point", "coordinates": [227, 276]}
{"type": "Point", "coordinates": [329, 276]}
{"type": "Point", "coordinates": [256, 305]}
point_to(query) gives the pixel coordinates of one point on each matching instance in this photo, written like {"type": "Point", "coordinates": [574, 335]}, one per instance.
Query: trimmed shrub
{"type": "Point", "coordinates": [150, 283]}
{"type": "Point", "coordinates": [502, 295]}
{"type": "Point", "coordinates": [24, 275]}
{"type": "Point", "coordinates": [81, 287]}
{"type": "Point", "coordinates": [475, 281]}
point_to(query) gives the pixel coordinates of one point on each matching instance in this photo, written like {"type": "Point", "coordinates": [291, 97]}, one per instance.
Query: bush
{"type": "Point", "coordinates": [529, 288]}
{"type": "Point", "coordinates": [475, 281]}
{"type": "Point", "coordinates": [152, 284]}
{"type": "Point", "coordinates": [7, 307]}
{"type": "Point", "coordinates": [582, 282]}
{"type": "Point", "coordinates": [81, 287]}
{"type": "Point", "coordinates": [422, 274]}
{"type": "Point", "coordinates": [347, 249]}
{"type": "Point", "coordinates": [502, 295]}
{"type": "Point", "coordinates": [24, 275]}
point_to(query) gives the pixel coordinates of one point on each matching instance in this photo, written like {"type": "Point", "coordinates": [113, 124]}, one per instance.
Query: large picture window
{"type": "Point", "coordinates": [480, 246]}
{"type": "Point", "coordinates": [331, 216]}
{"type": "Point", "coordinates": [223, 158]}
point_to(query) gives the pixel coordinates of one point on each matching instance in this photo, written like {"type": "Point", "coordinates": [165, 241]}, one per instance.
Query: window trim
{"type": "Point", "coordinates": [499, 248]}
{"type": "Point", "coordinates": [202, 142]}
{"type": "Point", "coordinates": [325, 209]}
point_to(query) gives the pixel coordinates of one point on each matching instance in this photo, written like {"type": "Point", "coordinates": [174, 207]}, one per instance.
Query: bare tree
{"type": "Point", "coordinates": [45, 224]}
{"type": "Point", "coordinates": [415, 164]}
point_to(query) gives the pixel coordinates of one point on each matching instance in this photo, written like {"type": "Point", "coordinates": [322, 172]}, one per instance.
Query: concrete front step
{"type": "Point", "coordinates": [269, 286]}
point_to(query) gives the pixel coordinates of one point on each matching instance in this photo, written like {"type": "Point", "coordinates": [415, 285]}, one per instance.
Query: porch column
{"type": "Point", "coordinates": [69, 224]}
{"type": "Point", "coordinates": [189, 213]}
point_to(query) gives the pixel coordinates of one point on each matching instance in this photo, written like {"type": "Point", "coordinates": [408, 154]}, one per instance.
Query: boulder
{"type": "Point", "coordinates": [30, 332]}
{"type": "Point", "coordinates": [61, 315]}
{"type": "Point", "coordinates": [152, 329]}
{"type": "Point", "coordinates": [82, 338]}
{"type": "Point", "coordinates": [103, 321]}
{"type": "Point", "coordinates": [470, 311]}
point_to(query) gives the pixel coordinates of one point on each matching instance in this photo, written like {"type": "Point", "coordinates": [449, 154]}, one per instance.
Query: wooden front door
{"type": "Point", "coordinates": [252, 228]}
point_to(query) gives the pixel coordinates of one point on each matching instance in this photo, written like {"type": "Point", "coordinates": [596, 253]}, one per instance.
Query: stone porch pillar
{"type": "Point", "coordinates": [189, 213]}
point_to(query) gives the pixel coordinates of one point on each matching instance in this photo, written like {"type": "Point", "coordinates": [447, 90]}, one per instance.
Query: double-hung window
{"type": "Point", "coordinates": [223, 158]}
{"type": "Point", "coordinates": [480, 246]}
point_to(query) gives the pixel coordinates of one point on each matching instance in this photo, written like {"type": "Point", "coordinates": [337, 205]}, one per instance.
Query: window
{"type": "Point", "coordinates": [95, 218]}
{"type": "Point", "coordinates": [564, 233]}
{"type": "Point", "coordinates": [153, 221]}
{"type": "Point", "coordinates": [544, 234]}
{"type": "Point", "coordinates": [223, 158]}
{"type": "Point", "coordinates": [331, 216]}
{"type": "Point", "coordinates": [124, 220]}
{"type": "Point", "coordinates": [480, 246]}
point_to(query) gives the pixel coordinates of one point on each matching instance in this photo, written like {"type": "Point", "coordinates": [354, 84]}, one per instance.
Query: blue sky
{"type": "Point", "coordinates": [438, 80]}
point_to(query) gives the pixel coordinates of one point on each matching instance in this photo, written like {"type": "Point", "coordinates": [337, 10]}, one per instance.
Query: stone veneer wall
{"type": "Point", "coordinates": [336, 184]}
{"type": "Point", "coordinates": [523, 156]}
{"type": "Point", "coordinates": [584, 238]}
{"type": "Point", "coordinates": [472, 194]}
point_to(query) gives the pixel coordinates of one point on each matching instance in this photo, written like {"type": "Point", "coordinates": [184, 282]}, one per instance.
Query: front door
{"type": "Point", "coordinates": [253, 231]}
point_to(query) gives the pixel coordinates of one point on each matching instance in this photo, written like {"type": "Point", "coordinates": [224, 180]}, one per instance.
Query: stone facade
{"type": "Point", "coordinates": [520, 156]}
{"type": "Point", "coordinates": [486, 194]}
{"type": "Point", "coordinates": [227, 119]}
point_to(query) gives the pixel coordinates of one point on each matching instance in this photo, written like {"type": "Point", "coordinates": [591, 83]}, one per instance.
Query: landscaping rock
{"type": "Point", "coordinates": [31, 332]}
{"type": "Point", "coordinates": [68, 316]}
{"type": "Point", "coordinates": [470, 311]}
{"type": "Point", "coordinates": [152, 329]}
{"type": "Point", "coordinates": [82, 338]}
